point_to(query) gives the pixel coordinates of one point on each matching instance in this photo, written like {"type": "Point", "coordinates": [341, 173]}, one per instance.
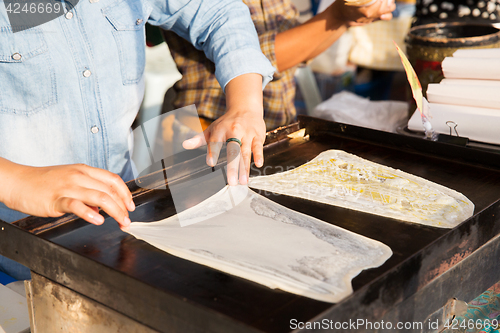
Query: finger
{"type": "Point", "coordinates": [119, 190]}
{"type": "Point", "coordinates": [257, 149]}
{"type": "Point", "coordinates": [125, 228]}
{"type": "Point", "coordinates": [388, 7]}
{"type": "Point", "coordinates": [246, 156]}
{"type": "Point", "coordinates": [233, 161]}
{"type": "Point", "coordinates": [91, 183]}
{"type": "Point", "coordinates": [213, 152]}
{"type": "Point", "coordinates": [197, 141]}
{"type": "Point", "coordinates": [74, 206]}
{"type": "Point", "coordinates": [88, 182]}
{"type": "Point", "coordinates": [96, 198]}
{"type": "Point", "coordinates": [215, 143]}
{"type": "Point", "coordinates": [386, 17]}
{"type": "Point", "coordinates": [373, 8]}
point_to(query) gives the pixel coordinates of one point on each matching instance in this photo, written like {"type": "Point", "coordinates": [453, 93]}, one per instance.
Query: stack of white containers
{"type": "Point", "coordinates": [468, 97]}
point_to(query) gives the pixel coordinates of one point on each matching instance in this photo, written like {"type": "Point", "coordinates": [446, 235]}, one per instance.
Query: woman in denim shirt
{"type": "Point", "coordinates": [70, 89]}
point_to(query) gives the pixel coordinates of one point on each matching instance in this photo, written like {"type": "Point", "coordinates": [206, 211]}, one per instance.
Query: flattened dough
{"type": "Point", "coordinates": [338, 178]}
{"type": "Point", "coordinates": [245, 234]}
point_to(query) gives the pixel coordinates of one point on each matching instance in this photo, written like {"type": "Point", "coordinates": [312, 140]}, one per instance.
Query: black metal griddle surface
{"type": "Point", "coordinates": [247, 302]}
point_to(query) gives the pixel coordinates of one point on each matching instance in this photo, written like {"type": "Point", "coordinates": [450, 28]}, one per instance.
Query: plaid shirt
{"type": "Point", "coordinates": [199, 86]}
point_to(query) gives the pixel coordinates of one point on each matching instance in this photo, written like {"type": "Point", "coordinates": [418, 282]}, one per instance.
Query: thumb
{"type": "Point", "coordinates": [195, 142]}
{"type": "Point", "coordinates": [386, 17]}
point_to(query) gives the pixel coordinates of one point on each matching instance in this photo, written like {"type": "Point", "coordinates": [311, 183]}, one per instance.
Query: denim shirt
{"type": "Point", "coordinates": [71, 88]}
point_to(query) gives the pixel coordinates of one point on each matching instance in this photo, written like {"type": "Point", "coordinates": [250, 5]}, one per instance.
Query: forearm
{"type": "Point", "coordinates": [244, 92]}
{"type": "Point", "coordinates": [308, 40]}
{"type": "Point", "coordinates": [313, 37]}
{"type": "Point", "coordinates": [8, 171]}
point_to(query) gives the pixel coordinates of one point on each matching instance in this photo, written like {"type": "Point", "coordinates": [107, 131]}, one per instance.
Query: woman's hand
{"type": "Point", "coordinates": [56, 190]}
{"type": "Point", "coordinates": [244, 121]}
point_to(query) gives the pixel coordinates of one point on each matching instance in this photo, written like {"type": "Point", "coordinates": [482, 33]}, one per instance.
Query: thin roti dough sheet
{"type": "Point", "coordinates": [245, 234]}
{"type": "Point", "coordinates": [338, 178]}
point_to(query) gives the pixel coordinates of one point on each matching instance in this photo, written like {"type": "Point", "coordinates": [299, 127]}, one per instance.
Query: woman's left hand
{"type": "Point", "coordinates": [244, 121]}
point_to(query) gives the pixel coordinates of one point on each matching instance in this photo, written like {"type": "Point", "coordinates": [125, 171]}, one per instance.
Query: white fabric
{"type": "Point", "coordinates": [346, 107]}
{"type": "Point", "coordinates": [475, 123]}
{"type": "Point", "coordinates": [337, 178]}
{"type": "Point", "coordinates": [373, 44]}
{"type": "Point", "coordinates": [14, 316]}
{"type": "Point", "coordinates": [471, 68]}
{"type": "Point", "coordinates": [477, 53]}
{"type": "Point", "coordinates": [468, 82]}
{"type": "Point", "coordinates": [242, 233]}
{"type": "Point", "coordinates": [476, 96]}
{"type": "Point", "coordinates": [334, 60]}
{"type": "Point", "coordinates": [468, 97]}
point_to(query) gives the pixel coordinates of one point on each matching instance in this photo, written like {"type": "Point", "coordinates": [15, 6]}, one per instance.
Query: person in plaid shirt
{"type": "Point", "coordinates": [284, 41]}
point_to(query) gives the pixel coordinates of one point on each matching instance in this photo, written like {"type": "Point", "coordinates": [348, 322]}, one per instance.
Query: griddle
{"type": "Point", "coordinates": [428, 266]}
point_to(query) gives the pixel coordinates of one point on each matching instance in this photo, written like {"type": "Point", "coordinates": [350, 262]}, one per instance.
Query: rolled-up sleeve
{"type": "Point", "coordinates": [223, 29]}
{"type": "Point", "coordinates": [267, 41]}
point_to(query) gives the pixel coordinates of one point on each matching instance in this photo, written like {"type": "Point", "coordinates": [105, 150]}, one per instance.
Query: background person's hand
{"type": "Point", "coordinates": [243, 121]}
{"type": "Point", "coordinates": [56, 190]}
{"type": "Point", "coordinates": [354, 16]}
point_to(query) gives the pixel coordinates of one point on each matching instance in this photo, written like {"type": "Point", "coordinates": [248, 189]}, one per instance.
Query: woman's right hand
{"type": "Point", "coordinates": [56, 190]}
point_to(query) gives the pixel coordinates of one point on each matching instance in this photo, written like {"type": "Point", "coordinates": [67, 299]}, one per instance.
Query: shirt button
{"type": "Point", "coordinates": [94, 129]}
{"type": "Point", "coordinates": [69, 15]}
{"type": "Point", "coordinates": [87, 73]}
{"type": "Point", "coordinates": [93, 1]}
{"type": "Point", "coordinates": [16, 56]}
{"type": "Point", "coordinates": [139, 21]}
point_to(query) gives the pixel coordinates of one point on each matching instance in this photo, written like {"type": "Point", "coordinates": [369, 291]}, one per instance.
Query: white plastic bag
{"type": "Point", "coordinates": [346, 107]}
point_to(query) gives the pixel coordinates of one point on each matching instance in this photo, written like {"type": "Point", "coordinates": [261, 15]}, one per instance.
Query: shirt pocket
{"type": "Point", "coordinates": [128, 19]}
{"type": "Point", "coordinates": [27, 75]}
